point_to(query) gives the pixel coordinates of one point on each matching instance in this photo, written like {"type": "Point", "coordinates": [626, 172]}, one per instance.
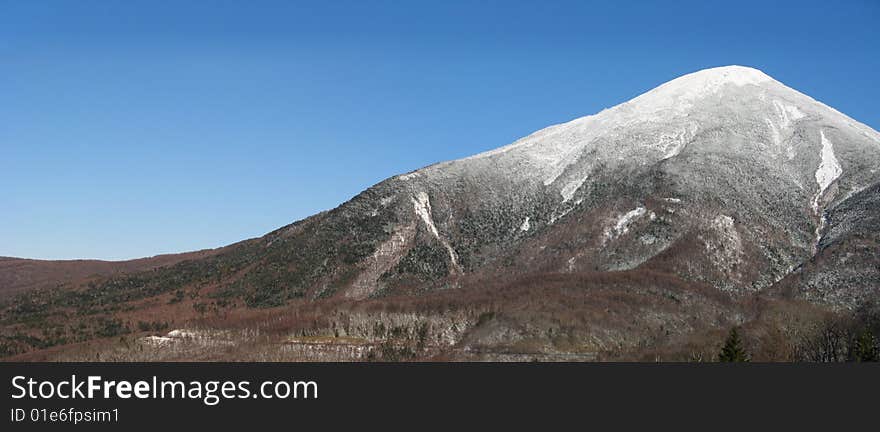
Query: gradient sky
{"type": "Point", "coordinates": [133, 128]}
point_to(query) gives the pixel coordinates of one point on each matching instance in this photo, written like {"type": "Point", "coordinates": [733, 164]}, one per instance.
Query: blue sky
{"type": "Point", "coordinates": [134, 128]}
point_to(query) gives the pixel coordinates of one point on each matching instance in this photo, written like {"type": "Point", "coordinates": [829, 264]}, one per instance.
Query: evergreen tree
{"type": "Point", "coordinates": [733, 351]}
{"type": "Point", "coordinates": [866, 348]}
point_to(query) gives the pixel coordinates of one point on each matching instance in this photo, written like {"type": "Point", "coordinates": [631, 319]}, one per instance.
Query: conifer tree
{"type": "Point", "coordinates": [733, 351]}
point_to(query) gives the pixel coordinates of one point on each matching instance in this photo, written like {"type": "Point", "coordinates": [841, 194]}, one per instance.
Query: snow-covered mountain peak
{"type": "Point", "coordinates": [659, 121]}
{"type": "Point", "coordinates": [680, 93]}
{"type": "Point", "coordinates": [737, 75]}
{"type": "Point", "coordinates": [736, 111]}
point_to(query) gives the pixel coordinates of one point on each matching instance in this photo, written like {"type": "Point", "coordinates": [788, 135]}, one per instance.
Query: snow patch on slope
{"type": "Point", "coordinates": [823, 221]}
{"type": "Point", "coordinates": [621, 226]}
{"type": "Point", "coordinates": [525, 225]}
{"type": "Point", "coordinates": [672, 144]}
{"type": "Point", "coordinates": [775, 134]}
{"type": "Point", "coordinates": [829, 170]}
{"type": "Point", "coordinates": [725, 247]}
{"type": "Point", "coordinates": [788, 113]}
{"type": "Point", "coordinates": [785, 115]}
{"type": "Point", "coordinates": [422, 206]}
{"type": "Point", "coordinates": [571, 187]}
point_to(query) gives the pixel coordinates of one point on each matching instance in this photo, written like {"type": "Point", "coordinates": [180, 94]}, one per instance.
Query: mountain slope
{"type": "Point", "coordinates": [846, 267]}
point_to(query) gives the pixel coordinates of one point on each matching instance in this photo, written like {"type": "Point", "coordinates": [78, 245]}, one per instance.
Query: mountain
{"type": "Point", "coordinates": [723, 176]}
{"type": "Point", "coordinates": [719, 198]}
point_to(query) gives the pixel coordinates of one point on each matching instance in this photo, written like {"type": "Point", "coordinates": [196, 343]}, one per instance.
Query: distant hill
{"type": "Point", "coordinates": [18, 274]}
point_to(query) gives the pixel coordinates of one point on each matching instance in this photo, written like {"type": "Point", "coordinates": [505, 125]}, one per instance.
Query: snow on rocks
{"type": "Point", "coordinates": [788, 114]}
{"type": "Point", "coordinates": [182, 336]}
{"type": "Point", "coordinates": [829, 170]}
{"type": "Point", "coordinates": [407, 176]}
{"type": "Point", "coordinates": [725, 247]}
{"type": "Point", "coordinates": [621, 225]}
{"type": "Point", "coordinates": [386, 200]}
{"type": "Point", "coordinates": [785, 116]}
{"type": "Point", "coordinates": [672, 144]}
{"type": "Point", "coordinates": [569, 189]}
{"type": "Point", "coordinates": [157, 340]}
{"type": "Point", "coordinates": [422, 206]}
{"type": "Point", "coordinates": [775, 134]}
{"type": "Point", "coordinates": [570, 262]}
{"type": "Point", "coordinates": [818, 233]}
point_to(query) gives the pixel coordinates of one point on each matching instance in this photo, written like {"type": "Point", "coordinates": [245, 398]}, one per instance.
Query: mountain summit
{"type": "Point", "coordinates": [711, 189]}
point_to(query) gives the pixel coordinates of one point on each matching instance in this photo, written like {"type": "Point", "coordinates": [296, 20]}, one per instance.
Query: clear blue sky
{"type": "Point", "coordinates": [132, 128]}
